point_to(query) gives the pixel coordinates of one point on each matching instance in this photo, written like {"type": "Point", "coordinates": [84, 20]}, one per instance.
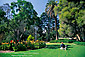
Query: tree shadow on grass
{"type": "Point", "coordinates": [53, 46]}
{"type": "Point", "coordinates": [68, 47]}
{"type": "Point", "coordinates": [57, 46]}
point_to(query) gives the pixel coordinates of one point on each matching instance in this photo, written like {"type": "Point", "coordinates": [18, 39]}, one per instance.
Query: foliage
{"type": "Point", "coordinates": [39, 44]}
{"type": "Point", "coordinates": [0, 43]}
{"type": "Point", "coordinates": [0, 47]}
{"type": "Point", "coordinates": [15, 48]}
{"type": "Point", "coordinates": [5, 47]}
{"type": "Point", "coordinates": [6, 8]}
{"type": "Point", "coordinates": [52, 35]}
{"type": "Point", "coordinates": [36, 45]}
{"type": "Point", "coordinates": [30, 37]}
{"type": "Point", "coordinates": [24, 16]}
{"type": "Point", "coordinates": [47, 26]}
{"type": "Point", "coordinates": [3, 22]}
{"type": "Point", "coordinates": [21, 47]}
{"type": "Point", "coordinates": [72, 19]}
{"type": "Point", "coordinates": [51, 13]}
{"type": "Point", "coordinates": [80, 43]}
{"type": "Point", "coordinates": [8, 36]}
{"type": "Point", "coordinates": [42, 44]}
{"type": "Point", "coordinates": [30, 45]}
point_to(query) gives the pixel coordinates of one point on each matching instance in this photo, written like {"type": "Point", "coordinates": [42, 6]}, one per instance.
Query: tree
{"type": "Point", "coordinates": [3, 24]}
{"type": "Point", "coordinates": [72, 22]}
{"type": "Point", "coordinates": [46, 25]}
{"type": "Point", "coordinates": [23, 17]}
{"type": "Point", "coordinates": [6, 8]}
{"type": "Point", "coordinates": [50, 12]}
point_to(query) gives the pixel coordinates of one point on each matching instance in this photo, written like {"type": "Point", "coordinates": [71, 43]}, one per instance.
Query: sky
{"type": "Point", "coordinates": [39, 5]}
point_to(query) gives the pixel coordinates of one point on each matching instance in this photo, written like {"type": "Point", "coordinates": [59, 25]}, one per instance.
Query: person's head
{"type": "Point", "coordinates": [62, 42]}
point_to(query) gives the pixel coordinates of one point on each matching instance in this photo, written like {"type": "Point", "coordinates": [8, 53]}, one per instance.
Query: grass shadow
{"type": "Point", "coordinates": [57, 46]}
{"type": "Point", "coordinates": [53, 46]}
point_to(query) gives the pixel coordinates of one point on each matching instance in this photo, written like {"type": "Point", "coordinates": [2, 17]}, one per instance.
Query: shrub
{"type": "Point", "coordinates": [42, 44]}
{"type": "Point", "coordinates": [21, 47]}
{"type": "Point", "coordinates": [79, 43]}
{"type": "Point", "coordinates": [30, 45]}
{"type": "Point", "coordinates": [40, 38]}
{"type": "Point", "coordinates": [53, 41]}
{"type": "Point", "coordinates": [11, 45]}
{"type": "Point", "coordinates": [0, 43]}
{"type": "Point", "coordinates": [5, 46]}
{"type": "Point", "coordinates": [15, 48]}
{"type": "Point", "coordinates": [30, 37]}
{"type": "Point", "coordinates": [62, 40]}
{"type": "Point", "coordinates": [39, 44]}
{"type": "Point", "coordinates": [4, 41]}
{"type": "Point", "coordinates": [36, 45]}
{"type": "Point", "coordinates": [0, 47]}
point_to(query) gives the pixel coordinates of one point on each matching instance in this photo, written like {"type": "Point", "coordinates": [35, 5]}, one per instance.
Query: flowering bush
{"type": "Point", "coordinates": [15, 48]}
{"type": "Point", "coordinates": [42, 44]}
{"type": "Point", "coordinates": [20, 46]}
{"type": "Point", "coordinates": [36, 44]}
{"type": "Point", "coordinates": [23, 45]}
{"type": "Point", "coordinates": [36, 41]}
{"type": "Point", "coordinates": [30, 37]}
{"type": "Point", "coordinates": [30, 44]}
{"type": "Point", "coordinates": [5, 47]}
{"type": "Point", "coordinates": [39, 44]}
{"type": "Point", "coordinates": [12, 43]}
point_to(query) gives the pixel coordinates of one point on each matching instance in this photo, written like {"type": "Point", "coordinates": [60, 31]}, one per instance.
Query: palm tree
{"type": "Point", "coordinates": [50, 12]}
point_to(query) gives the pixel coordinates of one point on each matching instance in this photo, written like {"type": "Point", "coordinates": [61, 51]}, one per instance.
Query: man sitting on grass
{"type": "Point", "coordinates": [62, 46]}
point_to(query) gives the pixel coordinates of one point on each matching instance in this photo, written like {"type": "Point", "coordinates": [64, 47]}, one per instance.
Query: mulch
{"type": "Point", "coordinates": [7, 51]}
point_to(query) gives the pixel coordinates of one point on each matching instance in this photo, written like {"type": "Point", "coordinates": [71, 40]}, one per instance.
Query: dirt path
{"type": "Point", "coordinates": [6, 51]}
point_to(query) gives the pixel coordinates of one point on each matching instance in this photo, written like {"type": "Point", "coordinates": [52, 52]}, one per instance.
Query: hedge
{"type": "Point", "coordinates": [80, 43]}
{"type": "Point", "coordinates": [62, 40]}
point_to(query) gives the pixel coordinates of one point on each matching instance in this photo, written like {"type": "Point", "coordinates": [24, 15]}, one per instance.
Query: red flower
{"type": "Point", "coordinates": [11, 41]}
{"type": "Point", "coordinates": [18, 40]}
{"type": "Point", "coordinates": [14, 42]}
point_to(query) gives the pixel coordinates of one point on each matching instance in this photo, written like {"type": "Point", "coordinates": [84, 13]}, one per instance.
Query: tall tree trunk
{"type": "Point", "coordinates": [48, 31]}
{"type": "Point", "coordinates": [47, 36]}
{"type": "Point", "coordinates": [78, 37]}
{"type": "Point", "coordinates": [35, 35]}
{"type": "Point", "coordinates": [56, 27]}
{"type": "Point", "coordinates": [18, 35]}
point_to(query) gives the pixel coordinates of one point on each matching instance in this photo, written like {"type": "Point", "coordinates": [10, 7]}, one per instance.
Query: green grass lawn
{"type": "Point", "coordinates": [72, 51]}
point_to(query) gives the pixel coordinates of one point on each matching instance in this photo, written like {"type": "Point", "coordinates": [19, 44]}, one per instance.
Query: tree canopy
{"type": "Point", "coordinates": [72, 20]}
